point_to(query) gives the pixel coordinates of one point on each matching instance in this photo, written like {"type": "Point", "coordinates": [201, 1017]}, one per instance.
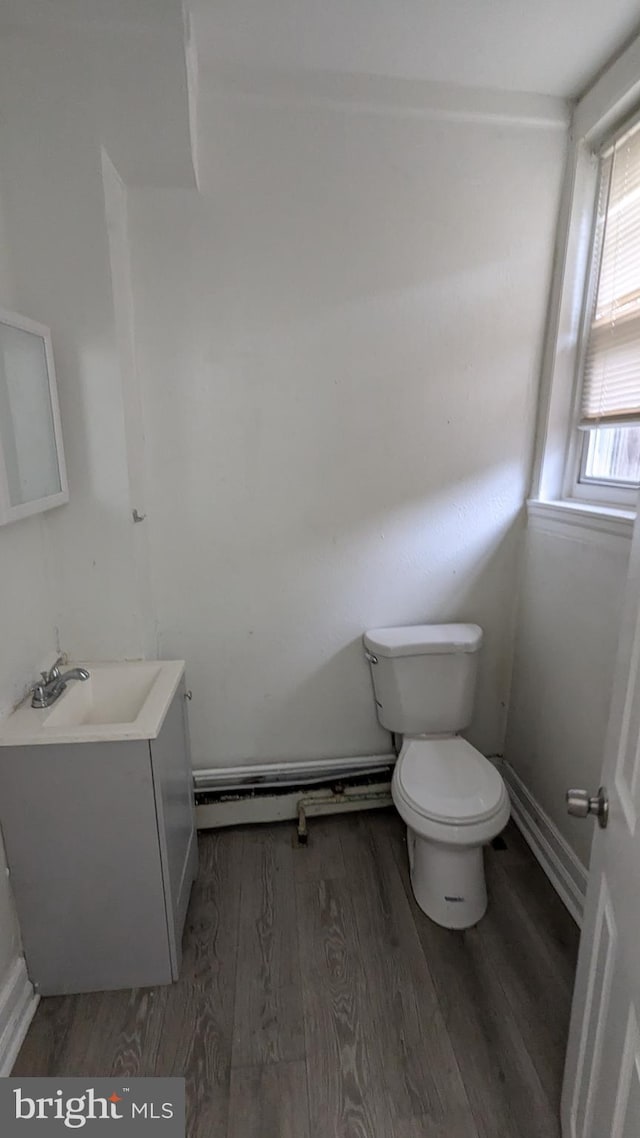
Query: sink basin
{"type": "Point", "coordinates": [110, 695]}
{"type": "Point", "coordinates": [118, 701]}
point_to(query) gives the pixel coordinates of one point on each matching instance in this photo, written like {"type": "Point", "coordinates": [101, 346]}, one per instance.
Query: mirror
{"type": "Point", "coordinates": [32, 470]}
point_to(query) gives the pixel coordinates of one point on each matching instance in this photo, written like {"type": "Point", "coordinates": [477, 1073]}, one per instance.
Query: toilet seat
{"type": "Point", "coordinates": [447, 780]}
{"type": "Point", "coordinates": [446, 790]}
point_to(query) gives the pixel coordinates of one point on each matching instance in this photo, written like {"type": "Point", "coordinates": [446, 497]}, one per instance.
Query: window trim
{"type": "Point", "coordinates": [625, 491]}
{"type": "Point", "coordinates": [603, 111]}
{"type": "Point", "coordinates": [617, 494]}
{"type": "Point", "coordinates": [575, 487]}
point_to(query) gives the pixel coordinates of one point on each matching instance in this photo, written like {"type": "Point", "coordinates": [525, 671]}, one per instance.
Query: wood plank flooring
{"type": "Point", "coordinates": [317, 1001]}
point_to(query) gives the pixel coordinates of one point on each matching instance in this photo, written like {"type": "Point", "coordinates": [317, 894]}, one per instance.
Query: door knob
{"type": "Point", "coordinates": [580, 804]}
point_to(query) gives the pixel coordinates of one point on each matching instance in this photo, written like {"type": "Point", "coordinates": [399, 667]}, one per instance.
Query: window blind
{"type": "Point", "coordinates": [611, 381]}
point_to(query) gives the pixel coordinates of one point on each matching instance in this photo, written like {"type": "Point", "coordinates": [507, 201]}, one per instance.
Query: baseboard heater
{"type": "Point", "coordinates": [261, 794]}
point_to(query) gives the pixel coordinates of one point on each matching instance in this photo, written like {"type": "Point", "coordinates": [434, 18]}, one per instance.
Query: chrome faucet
{"type": "Point", "coordinates": [54, 682]}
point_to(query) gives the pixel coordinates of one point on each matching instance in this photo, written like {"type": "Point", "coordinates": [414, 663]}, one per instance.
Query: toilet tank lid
{"type": "Point", "coordinates": [424, 639]}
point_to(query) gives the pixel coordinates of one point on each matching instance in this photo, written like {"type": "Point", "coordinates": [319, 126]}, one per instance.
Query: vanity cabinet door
{"type": "Point", "coordinates": [173, 786]}
{"type": "Point", "coordinates": [81, 836]}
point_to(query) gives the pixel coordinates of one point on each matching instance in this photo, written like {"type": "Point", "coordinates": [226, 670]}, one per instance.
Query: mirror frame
{"type": "Point", "coordinates": [9, 513]}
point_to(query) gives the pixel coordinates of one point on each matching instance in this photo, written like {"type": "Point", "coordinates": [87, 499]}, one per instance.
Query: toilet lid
{"type": "Point", "coordinates": [448, 780]}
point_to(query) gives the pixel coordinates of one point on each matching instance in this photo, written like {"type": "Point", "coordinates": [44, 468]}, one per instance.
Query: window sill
{"type": "Point", "coordinates": [569, 516]}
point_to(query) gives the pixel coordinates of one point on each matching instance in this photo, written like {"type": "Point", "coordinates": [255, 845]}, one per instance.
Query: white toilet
{"type": "Point", "coordinates": [451, 797]}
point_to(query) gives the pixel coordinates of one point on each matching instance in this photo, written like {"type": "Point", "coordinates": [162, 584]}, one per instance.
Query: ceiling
{"type": "Point", "coordinates": [48, 17]}
{"type": "Point", "coordinates": [550, 47]}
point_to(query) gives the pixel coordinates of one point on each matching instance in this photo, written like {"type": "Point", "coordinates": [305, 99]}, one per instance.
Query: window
{"type": "Point", "coordinates": [605, 460]}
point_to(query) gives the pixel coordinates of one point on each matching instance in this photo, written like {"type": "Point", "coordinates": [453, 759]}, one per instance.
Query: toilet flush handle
{"type": "Point", "coordinates": [370, 657]}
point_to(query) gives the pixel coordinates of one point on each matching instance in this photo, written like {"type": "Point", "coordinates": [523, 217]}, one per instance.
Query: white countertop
{"type": "Point", "coordinates": [126, 700]}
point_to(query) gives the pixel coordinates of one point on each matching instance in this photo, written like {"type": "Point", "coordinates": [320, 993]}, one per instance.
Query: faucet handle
{"type": "Point", "coordinates": [38, 698]}
{"type": "Point", "coordinates": [54, 674]}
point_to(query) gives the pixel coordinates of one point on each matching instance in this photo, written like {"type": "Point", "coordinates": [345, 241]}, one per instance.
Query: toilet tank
{"type": "Point", "coordinates": [424, 677]}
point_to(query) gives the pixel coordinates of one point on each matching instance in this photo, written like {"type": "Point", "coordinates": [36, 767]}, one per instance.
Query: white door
{"type": "Point", "coordinates": [601, 1092]}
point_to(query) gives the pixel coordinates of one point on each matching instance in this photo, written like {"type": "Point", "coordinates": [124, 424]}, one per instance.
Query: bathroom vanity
{"type": "Point", "coordinates": [96, 808]}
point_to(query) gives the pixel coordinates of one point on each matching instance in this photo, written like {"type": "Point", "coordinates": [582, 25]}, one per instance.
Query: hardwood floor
{"type": "Point", "coordinates": [317, 1001]}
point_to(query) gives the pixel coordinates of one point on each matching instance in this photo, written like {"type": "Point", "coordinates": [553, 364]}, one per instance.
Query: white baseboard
{"type": "Point", "coordinates": [18, 1003]}
{"type": "Point", "coordinates": [564, 870]}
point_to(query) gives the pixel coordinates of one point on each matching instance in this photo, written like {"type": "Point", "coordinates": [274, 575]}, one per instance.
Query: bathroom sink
{"type": "Point", "coordinates": [110, 695]}
{"type": "Point", "coordinates": [118, 701]}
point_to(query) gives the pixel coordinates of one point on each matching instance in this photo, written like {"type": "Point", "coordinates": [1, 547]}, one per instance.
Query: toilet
{"type": "Point", "coordinates": [452, 799]}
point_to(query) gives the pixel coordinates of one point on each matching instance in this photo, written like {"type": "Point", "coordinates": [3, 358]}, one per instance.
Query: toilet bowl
{"type": "Point", "coordinates": [452, 799]}
{"type": "Point", "coordinates": [453, 802]}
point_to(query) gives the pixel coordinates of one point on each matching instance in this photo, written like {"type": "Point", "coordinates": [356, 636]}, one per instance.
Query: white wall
{"type": "Point", "coordinates": [67, 90]}
{"type": "Point", "coordinates": [69, 578]}
{"type": "Point", "coordinates": [28, 633]}
{"type": "Point", "coordinates": [338, 345]}
{"type": "Point", "coordinates": [336, 410]}
{"type": "Point", "coordinates": [55, 202]}
{"type": "Point", "coordinates": [568, 623]}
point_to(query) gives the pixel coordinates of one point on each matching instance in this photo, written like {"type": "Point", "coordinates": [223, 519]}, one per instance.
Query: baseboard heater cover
{"type": "Point", "coordinates": [363, 791]}
{"type": "Point", "coordinates": [283, 774]}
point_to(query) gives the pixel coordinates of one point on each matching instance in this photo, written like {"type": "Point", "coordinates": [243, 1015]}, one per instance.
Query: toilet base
{"type": "Point", "coordinates": [448, 882]}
